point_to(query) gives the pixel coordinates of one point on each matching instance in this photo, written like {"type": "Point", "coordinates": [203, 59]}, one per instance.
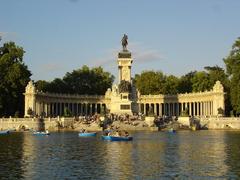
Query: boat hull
{"type": "Point", "coordinates": [116, 138]}
{"type": "Point", "coordinates": [92, 134]}
{"type": "Point", "coordinates": [41, 134]}
{"type": "Point", "coordinates": [4, 132]}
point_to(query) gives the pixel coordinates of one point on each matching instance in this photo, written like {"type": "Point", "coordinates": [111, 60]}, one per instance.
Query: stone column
{"type": "Point", "coordinates": [155, 108]}
{"type": "Point", "coordinates": [139, 108]}
{"type": "Point", "coordinates": [160, 109]}
{"type": "Point", "coordinates": [197, 113]}
{"type": "Point", "coordinates": [211, 108]}
{"type": "Point", "coordinates": [207, 111]}
{"type": "Point", "coordinates": [190, 108]}
{"type": "Point", "coordinates": [193, 108]}
{"type": "Point", "coordinates": [144, 108]}
{"type": "Point", "coordinates": [181, 107]}
{"type": "Point", "coordinates": [203, 106]}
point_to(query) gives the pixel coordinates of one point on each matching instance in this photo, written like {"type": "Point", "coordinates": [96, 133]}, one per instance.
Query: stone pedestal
{"type": "Point", "coordinates": [149, 120]}
{"type": "Point", "coordinates": [184, 121]}
{"type": "Point", "coordinates": [124, 65]}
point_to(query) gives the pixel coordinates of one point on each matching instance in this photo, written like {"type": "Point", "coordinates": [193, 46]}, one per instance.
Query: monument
{"type": "Point", "coordinates": [121, 101]}
{"type": "Point", "coordinates": [123, 98]}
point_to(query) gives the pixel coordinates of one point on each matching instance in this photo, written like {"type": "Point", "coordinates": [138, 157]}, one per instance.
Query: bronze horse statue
{"type": "Point", "coordinates": [124, 42]}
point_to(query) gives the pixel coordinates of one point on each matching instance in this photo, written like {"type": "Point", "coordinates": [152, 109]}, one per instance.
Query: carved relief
{"type": "Point", "coordinates": [125, 73]}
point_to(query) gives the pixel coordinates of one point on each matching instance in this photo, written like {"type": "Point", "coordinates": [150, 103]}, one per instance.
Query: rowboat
{"type": "Point", "coordinates": [41, 133]}
{"type": "Point", "coordinates": [87, 134]}
{"type": "Point", "coordinates": [4, 132]}
{"type": "Point", "coordinates": [117, 138]}
{"type": "Point", "coordinates": [172, 130]}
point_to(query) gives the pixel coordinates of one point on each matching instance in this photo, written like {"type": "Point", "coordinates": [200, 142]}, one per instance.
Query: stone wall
{"type": "Point", "coordinates": [35, 123]}
{"type": "Point", "coordinates": [213, 122]}
{"type": "Point", "coordinates": [221, 123]}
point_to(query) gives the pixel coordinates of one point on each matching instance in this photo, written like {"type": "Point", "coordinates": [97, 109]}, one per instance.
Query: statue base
{"type": "Point", "coordinates": [124, 54]}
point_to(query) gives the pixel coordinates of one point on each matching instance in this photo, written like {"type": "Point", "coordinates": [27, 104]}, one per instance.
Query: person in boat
{"type": "Point", "coordinates": [126, 134]}
{"type": "Point", "coordinates": [47, 131]}
{"type": "Point", "coordinates": [116, 134]}
{"type": "Point", "coordinates": [82, 130]}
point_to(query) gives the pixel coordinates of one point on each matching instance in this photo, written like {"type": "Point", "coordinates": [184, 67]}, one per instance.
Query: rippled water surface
{"type": "Point", "coordinates": [151, 155]}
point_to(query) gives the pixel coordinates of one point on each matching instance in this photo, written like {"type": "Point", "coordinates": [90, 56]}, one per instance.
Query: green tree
{"type": "Point", "coordinates": [14, 76]}
{"type": "Point", "coordinates": [58, 86]}
{"type": "Point", "coordinates": [80, 81]}
{"type": "Point", "coordinates": [150, 82]}
{"type": "Point", "coordinates": [170, 85]}
{"type": "Point", "coordinates": [42, 85]}
{"type": "Point", "coordinates": [201, 82]}
{"type": "Point", "coordinates": [88, 81]}
{"type": "Point", "coordinates": [232, 62]}
{"type": "Point", "coordinates": [185, 82]}
{"type": "Point", "coordinates": [217, 73]}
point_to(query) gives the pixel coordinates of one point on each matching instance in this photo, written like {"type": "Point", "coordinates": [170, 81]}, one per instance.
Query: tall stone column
{"type": "Point", "coordinates": [207, 108]}
{"type": "Point", "coordinates": [190, 108]}
{"type": "Point", "coordinates": [194, 109]}
{"type": "Point", "coordinates": [160, 109]}
{"type": "Point", "coordinates": [204, 109]}
{"type": "Point", "coordinates": [155, 108]}
{"type": "Point", "coordinates": [197, 108]}
{"type": "Point", "coordinates": [182, 104]}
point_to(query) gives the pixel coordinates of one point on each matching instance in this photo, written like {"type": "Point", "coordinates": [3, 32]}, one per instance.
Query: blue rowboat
{"type": "Point", "coordinates": [172, 131]}
{"type": "Point", "coordinates": [4, 132]}
{"type": "Point", "coordinates": [41, 133]}
{"type": "Point", "coordinates": [117, 138]}
{"type": "Point", "coordinates": [87, 134]}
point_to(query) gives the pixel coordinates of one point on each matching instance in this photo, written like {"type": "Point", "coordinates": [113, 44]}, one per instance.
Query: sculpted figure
{"type": "Point", "coordinates": [124, 42]}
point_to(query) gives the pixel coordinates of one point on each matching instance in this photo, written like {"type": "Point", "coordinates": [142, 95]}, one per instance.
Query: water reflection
{"type": "Point", "coordinates": [151, 155]}
{"type": "Point", "coordinates": [202, 154]}
{"type": "Point", "coordinates": [11, 148]}
{"type": "Point", "coordinates": [232, 150]}
{"type": "Point", "coordinates": [118, 159]}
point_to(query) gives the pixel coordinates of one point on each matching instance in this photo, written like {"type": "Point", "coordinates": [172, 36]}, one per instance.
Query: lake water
{"type": "Point", "coordinates": [151, 155]}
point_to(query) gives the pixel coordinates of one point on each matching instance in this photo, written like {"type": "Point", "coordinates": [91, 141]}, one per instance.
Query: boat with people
{"type": "Point", "coordinates": [41, 133]}
{"type": "Point", "coordinates": [116, 136]}
{"type": "Point", "coordinates": [85, 133]}
{"type": "Point", "coordinates": [171, 130]}
{"type": "Point", "coordinates": [4, 132]}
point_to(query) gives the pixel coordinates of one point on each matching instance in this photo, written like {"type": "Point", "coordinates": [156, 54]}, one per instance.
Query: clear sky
{"type": "Point", "coordinates": [173, 36]}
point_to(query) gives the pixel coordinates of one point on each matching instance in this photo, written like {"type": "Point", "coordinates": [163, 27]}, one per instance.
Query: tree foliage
{"type": "Point", "coordinates": [200, 82]}
{"type": "Point", "coordinates": [185, 82]}
{"type": "Point", "coordinates": [150, 82]}
{"type": "Point", "coordinates": [14, 76]}
{"type": "Point", "coordinates": [232, 62]}
{"type": "Point", "coordinates": [80, 81]}
{"type": "Point", "coordinates": [155, 82]}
